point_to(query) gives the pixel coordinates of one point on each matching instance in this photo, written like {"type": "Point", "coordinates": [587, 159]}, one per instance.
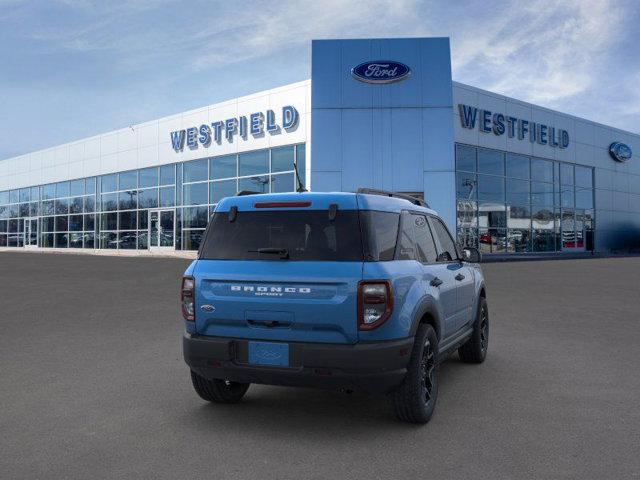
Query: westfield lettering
{"type": "Point", "coordinates": [255, 124]}
{"type": "Point", "coordinates": [499, 124]}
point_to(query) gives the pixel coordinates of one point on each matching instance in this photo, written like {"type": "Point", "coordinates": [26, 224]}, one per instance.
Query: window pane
{"type": "Point", "coordinates": [220, 190]}
{"type": "Point", "coordinates": [379, 231]}
{"type": "Point", "coordinates": [223, 167]}
{"type": "Point", "coordinates": [109, 221]}
{"type": "Point", "coordinates": [566, 174]}
{"type": "Point", "coordinates": [148, 177]}
{"type": "Point", "coordinates": [143, 219]}
{"type": "Point", "coordinates": [62, 240]}
{"type": "Point", "coordinates": [301, 160]}
{"type": "Point", "coordinates": [128, 240]}
{"type": "Point", "coordinates": [76, 205]}
{"type": "Point", "coordinates": [89, 222]}
{"type": "Point", "coordinates": [90, 185]}
{"type": "Point", "coordinates": [148, 198]}
{"type": "Point", "coordinates": [517, 191]}
{"type": "Point", "coordinates": [282, 183]}
{"type": "Point", "coordinates": [62, 206]}
{"type": "Point", "coordinates": [127, 200]}
{"type": "Point", "coordinates": [75, 223]}
{"type": "Point", "coordinates": [568, 228]}
{"type": "Point", "coordinates": [519, 217]}
{"type": "Point", "coordinates": [567, 196]}
{"type": "Point", "coordinates": [128, 220]}
{"type": "Point", "coordinates": [108, 240]}
{"type": "Point", "coordinates": [192, 239]}
{"type": "Point", "coordinates": [4, 198]}
{"type": "Point", "coordinates": [446, 246]}
{"type": "Point", "coordinates": [168, 175]}
{"type": "Point", "coordinates": [518, 241]}
{"type": "Point", "coordinates": [62, 189]}
{"type": "Point", "coordinates": [465, 158]}
{"type": "Point", "coordinates": [282, 159]}
{"type": "Point", "coordinates": [490, 161]}
{"type": "Point", "coordinates": [541, 170]}
{"type": "Point", "coordinates": [492, 215]}
{"type": "Point", "coordinates": [544, 240]}
{"type": "Point", "coordinates": [542, 218]}
{"type": "Point", "coordinates": [24, 195]}
{"type": "Point", "coordinates": [35, 194]}
{"type": "Point", "coordinates": [196, 194]}
{"type": "Point", "coordinates": [128, 180]}
{"type": "Point", "coordinates": [258, 184]}
{"type": "Point", "coordinates": [167, 195]}
{"type": "Point", "coordinates": [584, 177]}
{"type": "Point", "coordinates": [109, 201]}
{"type": "Point", "coordinates": [48, 224]}
{"type": "Point", "coordinates": [195, 217]}
{"type": "Point", "coordinates": [584, 197]}
{"type": "Point", "coordinates": [143, 240]}
{"type": "Point", "coordinates": [466, 186]}
{"type": "Point", "coordinates": [195, 170]}
{"type": "Point", "coordinates": [75, 240]}
{"type": "Point", "coordinates": [46, 240]}
{"type": "Point", "coordinates": [252, 163]}
{"type": "Point", "coordinates": [467, 214]}
{"type": "Point", "coordinates": [109, 183]}
{"type": "Point", "coordinates": [541, 193]}
{"type": "Point", "coordinates": [89, 240]}
{"type": "Point", "coordinates": [62, 223]}
{"type": "Point", "coordinates": [491, 188]}
{"type": "Point", "coordinates": [517, 166]}
{"type": "Point", "coordinates": [89, 204]}
{"type": "Point", "coordinates": [424, 241]}
{"type": "Point", "coordinates": [76, 187]}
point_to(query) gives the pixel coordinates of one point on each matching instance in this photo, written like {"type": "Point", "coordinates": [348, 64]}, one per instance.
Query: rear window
{"type": "Point", "coordinates": [284, 234]}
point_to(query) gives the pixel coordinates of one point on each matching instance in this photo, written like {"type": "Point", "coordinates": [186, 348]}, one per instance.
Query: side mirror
{"type": "Point", "coordinates": [471, 255]}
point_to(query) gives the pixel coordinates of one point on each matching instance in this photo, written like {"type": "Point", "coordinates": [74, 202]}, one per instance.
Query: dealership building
{"type": "Point", "coordinates": [507, 176]}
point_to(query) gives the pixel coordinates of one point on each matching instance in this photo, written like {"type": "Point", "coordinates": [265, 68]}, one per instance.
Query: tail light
{"type": "Point", "coordinates": [187, 298]}
{"type": "Point", "coordinates": [375, 303]}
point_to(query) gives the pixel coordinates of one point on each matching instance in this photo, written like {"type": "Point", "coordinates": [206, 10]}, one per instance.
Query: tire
{"type": "Point", "coordinates": [415, 399]}
{"type": "Point", "coordinates": [475, 349]}
{"type": "Point", "coordinates": [218, 391]}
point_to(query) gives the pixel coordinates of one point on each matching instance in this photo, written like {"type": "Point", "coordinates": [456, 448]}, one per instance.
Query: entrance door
{"type": "Point", "coordinates": [30, 232]}
{"type": "Point", "coordinates": [162, 229]}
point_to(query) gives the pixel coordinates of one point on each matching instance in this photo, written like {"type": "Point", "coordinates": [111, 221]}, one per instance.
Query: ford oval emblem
{"type": "Point", "coordinates": [380, 71]}
{"type": "Point", "coordinates": [620, 152]}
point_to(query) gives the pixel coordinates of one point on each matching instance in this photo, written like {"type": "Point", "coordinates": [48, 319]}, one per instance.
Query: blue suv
{"type": "Point", "coordinates": [354, 291]}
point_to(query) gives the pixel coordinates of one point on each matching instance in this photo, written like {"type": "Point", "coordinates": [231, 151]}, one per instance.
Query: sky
{"type": "Point", "coordinates": [70, 69]}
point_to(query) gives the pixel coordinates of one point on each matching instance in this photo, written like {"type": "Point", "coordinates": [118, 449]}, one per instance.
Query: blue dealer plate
{"type": "Point", "coordinates": [267, 353]}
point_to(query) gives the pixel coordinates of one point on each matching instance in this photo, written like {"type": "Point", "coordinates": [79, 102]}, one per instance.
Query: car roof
{"type": "Point", "coordinates": [320, 201]}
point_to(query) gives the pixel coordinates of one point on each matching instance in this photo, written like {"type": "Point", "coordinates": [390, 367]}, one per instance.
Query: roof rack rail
{"type": "Point", "coordinates": [247, 192]}
{"type": "Point", "coordinates": [414, 200]}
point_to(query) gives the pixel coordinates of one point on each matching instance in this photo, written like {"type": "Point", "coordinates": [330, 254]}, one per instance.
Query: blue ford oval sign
{"type": "Point", "coordinates": [380, 71]}
{"type": "Point", "coordinates": [620, 151]}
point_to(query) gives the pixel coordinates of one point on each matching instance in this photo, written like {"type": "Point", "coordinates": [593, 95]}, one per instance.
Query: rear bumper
{"type": "Point", "coordinates": [371, 367]}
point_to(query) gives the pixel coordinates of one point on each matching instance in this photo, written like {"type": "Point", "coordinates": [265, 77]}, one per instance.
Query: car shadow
{"type": "Point", "coordinates": [299, 412]}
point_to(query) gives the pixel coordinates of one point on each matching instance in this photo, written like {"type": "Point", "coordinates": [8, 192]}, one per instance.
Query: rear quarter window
{"type": "Point", "coordinates": [379, 234]}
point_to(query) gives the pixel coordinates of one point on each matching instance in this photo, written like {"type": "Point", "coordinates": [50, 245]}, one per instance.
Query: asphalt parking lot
{"type": "Point", "coordinates": [93, 385]}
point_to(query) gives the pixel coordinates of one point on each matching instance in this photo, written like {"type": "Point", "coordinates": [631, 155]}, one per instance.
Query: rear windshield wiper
{"type": "Point", "coordinates": [283, 252]}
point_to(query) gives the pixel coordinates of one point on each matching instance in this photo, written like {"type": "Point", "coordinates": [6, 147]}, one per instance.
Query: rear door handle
{"type": "Point", "coordinates": [436, 282]}
{"type": "Point", "coordinates": [459, 277]}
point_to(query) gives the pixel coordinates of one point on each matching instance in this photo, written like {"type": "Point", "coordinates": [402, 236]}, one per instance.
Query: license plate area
{"type": "Point", "coordinates": [268, 353]}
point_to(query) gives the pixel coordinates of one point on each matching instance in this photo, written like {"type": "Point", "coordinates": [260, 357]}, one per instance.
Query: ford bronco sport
{"type": "Point", "coordinates": [350, 291]}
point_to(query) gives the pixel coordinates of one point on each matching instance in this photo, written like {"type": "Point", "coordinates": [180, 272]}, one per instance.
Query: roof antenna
{"type": "Point", "coordinates": [300, 188]}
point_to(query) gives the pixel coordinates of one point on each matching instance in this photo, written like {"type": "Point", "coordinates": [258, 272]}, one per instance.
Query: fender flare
{"type": "Point", "coordinates": [427, 306]}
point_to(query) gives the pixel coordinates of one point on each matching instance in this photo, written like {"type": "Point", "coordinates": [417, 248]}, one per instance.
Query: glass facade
{"type": "Point", "coordinates": [510, 203]}
{"type": "Point", "coordinates": [167, 206]}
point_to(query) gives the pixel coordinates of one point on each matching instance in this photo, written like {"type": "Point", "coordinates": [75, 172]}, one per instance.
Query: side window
{"type": "Point", "coordinates": [446, 246]}
{"type": "Point", "coordinates": [406, 243]}
{"type": "Point", "coordinates": [424, 241]}
{"type": "Point", "coordinates": [379, 231]}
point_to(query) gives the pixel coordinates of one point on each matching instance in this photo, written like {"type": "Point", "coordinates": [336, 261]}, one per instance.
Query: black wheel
{"type": "Point", "coordinates": [415, 399]}
{"type": "Point", "coordinates": [475, 350]}
{"type": "Point", "coordinates": [218, 391]}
